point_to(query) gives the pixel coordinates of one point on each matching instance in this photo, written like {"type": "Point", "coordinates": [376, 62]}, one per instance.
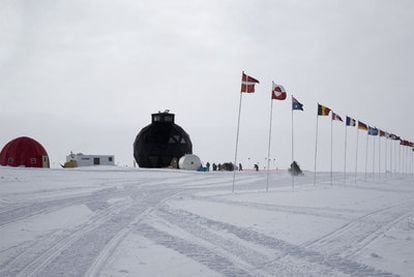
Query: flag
{"type": "Point", "coordinates": [362, 126]}
{"type": "Point", "coordinates": [394, 137]}
{"type": "Point", "coordinates": [372, 131]}
{"type": "Point", "coordinates": [350, 121]}
{"type": "Point", "coordinates": [381, 133]}
{"type": "Point", "coordinates": [296, 105]}
{"type": "Point", "coordinates": [404, 142]}
{"type": "Point", "coordinates": [247, 84]}
{"type": "Point", "coordinates": [322, 110]}
{"type": "Point", "coordinates": [278, 92]}
{"type": "Point", "coordinates": [336, 117]}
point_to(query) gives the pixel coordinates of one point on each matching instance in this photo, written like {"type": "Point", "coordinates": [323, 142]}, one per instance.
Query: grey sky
{"type": "Point", "coordinates": [86, 75]}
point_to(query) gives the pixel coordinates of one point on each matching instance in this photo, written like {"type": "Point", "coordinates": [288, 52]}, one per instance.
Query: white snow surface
{"type": "Point", "coordinates": [111, 221]}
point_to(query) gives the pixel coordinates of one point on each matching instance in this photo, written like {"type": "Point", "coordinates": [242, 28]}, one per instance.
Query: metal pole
{"type": "Point", "coordinates": [268, 149]}
{"type": "Point", "coordinates": [346, 130]}
{"type": "Point", "coordinates": [373, 157]}
{"type": "Point", "coordinates": [366, 158]}
{"type": "Point", "coordinates": [386, 156]}
{"type": "Point", "coordinates": [331, 150]}
{"type": "Point", "coordinates": [391, 145]}
{"type": "Point", "coordinates": [293, 157]}
{"type": "Point", "coordinates": [237, 142]}
{"type": "Point", "coordinates": [379, 155]}
{"type": "Point", "coordinates": [399, 158]}
{"type": "Point", "coordinates": [356, 157]}
{"type": "Point", "coordinates": [316, 149]}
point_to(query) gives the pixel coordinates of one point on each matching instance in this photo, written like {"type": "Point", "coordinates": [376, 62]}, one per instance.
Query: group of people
{"type": "Point", "coordinates": [220, 167]}
{"type": "Point", "coordinates": [226, 167]}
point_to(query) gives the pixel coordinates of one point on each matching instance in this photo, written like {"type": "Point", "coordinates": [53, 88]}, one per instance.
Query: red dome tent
{"type": "Point", "coordinates": [24, 151]}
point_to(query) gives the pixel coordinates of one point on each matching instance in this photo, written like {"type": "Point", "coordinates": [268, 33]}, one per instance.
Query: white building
{"type": "Point", "coordinates": [89, 160]}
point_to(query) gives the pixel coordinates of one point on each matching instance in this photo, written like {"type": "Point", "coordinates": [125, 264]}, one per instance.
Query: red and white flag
{"type": "Point", "coordinates": [278, 92]}
{"type": "Point", "coordinates": [336, 117]}
{"type": "Point", "coordinates": [247, 84]}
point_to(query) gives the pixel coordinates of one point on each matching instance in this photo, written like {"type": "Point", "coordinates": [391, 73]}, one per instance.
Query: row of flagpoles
{"type": "Point", "coordinates": [279, 93]}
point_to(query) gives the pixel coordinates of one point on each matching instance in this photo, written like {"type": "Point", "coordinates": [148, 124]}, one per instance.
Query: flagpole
{"type": "Point", "coordinates": [373, 157]}
{"type": "Point", "coordinates": [331, 148]}
{"type": "Point", "coordinates": [412, 161]}
{"type": "Point", "coordinates": [237, 142]}
{"type": "Point", "coordinates": [346, 134]}
{"type": "Point", "coordinates": [268, 149]}
{"type": "Point", "coordinates": [356, 157]}
{"type": "Point", "coordinates": [391, 156]}
{"type": "Point", "coordinates": [293, 175]}
{"type": "Point", "coordinates": [386, 154]}
{"type": "Point", "coordinates": [402, 158]}
{"type": "Point", "coordinates": [366, 158]}
{"type": "Point", "coordinates": [399, 158]}
{"type": "Point", "coordinates": [405, 160]}
{"type": "Point", "coordinates": [316, 149]}
{"type": "Point", "coordinates": [379, 155]}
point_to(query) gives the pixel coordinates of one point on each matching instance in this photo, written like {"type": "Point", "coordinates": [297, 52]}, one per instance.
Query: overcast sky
{"type": "Point", "coordinates": [85, 75]}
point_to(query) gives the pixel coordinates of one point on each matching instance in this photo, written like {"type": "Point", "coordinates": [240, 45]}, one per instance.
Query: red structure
{"type": "Point", "coordinates": [24, 151]}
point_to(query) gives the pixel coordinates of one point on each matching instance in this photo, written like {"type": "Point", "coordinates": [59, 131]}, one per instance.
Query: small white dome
{"type": "Point", "coordinates": [189, 162]}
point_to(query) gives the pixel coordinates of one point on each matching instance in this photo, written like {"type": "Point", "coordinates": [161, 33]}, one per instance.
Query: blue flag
{"type": "Point", "coordinates": [372, 131]}
{"type": "Point", "coordinates": [350, 121]}
{"type": "Point", "coordinates": [296, 105]}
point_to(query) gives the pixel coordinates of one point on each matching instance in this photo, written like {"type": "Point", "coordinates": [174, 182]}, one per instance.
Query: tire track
{"type": "Point", "coordinates": [259, 262]}
{"type": "Point", "coordinates": [25, 263]}
{"type": "Point", "coordinates": [111, 246]}
{"type": "Point", "coordinates": [285, 249]}
{"type": "Point", "coordinates": [85, 249]}
{"type": "Point", "coordinates": [352, 237]}
{"type": "Point", "coordinates": [194, 251]}
{"type": "Point", "coordinates": [345, 214]}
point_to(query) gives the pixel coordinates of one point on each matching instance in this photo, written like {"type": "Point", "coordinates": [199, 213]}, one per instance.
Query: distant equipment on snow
{"type": "Point", "coordinates": [295, 169]}
{"type": "Point", "coordinates": [24, 151]}
{"type": "Point", "coordinates": [75, 160]}
{"type": "Point", "coordinates": [189, 162]}
{"type": "Point", "coordinates": [162, 143]}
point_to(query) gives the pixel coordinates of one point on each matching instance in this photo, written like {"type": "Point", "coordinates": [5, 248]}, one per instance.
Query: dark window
{"type": "Point", "coordinates": [110, 159]}
{"type": "Point", "coordinates": [33, 160]}
{"type": "Point", "coordinates": [10, 160]}
{"type": "Point", "coordinates": [168, 118]}
{"type": "Point", "coordinates": [96, 161]}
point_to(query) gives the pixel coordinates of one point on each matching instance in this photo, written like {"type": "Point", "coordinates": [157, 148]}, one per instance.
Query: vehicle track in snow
{"type": "Point", "coordinates": [327, 212]}
{"type": "Point", "coordinates": [88, 245]}
{"type": "Point", "coordinates": [283, 250]}
{"type": "Point", "coordinates": [194, 251]}
{"type": "Point", "coordinates": [355, 235]}
{"type": "Point", "coordinates": [80, 255]}
{"type": "Point", "coordinates": [48, 246]}
{"type": "Point", "coordinates": [231, 246]}
{"type": "Point", "coordinates": [84, 249]}
{"type": "Point", "coordinates": [94, 200]}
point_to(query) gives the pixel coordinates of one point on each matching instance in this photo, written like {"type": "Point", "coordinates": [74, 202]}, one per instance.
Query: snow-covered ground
{"type": "Point", "coordinates": [132, 222]}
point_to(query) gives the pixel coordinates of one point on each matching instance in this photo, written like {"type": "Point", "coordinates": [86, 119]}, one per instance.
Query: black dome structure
{"type": "Point", "coordinates": [162, 143]}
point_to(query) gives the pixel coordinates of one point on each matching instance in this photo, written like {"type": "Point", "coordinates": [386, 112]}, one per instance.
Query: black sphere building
{"type": "Point", "coordinates": [162, 143]}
